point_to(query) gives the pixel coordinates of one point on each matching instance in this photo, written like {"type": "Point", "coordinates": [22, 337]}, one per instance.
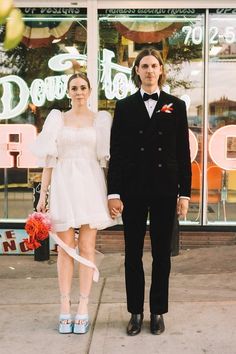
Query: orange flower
{"type": "Point", "coordinates": [32, 227]}
{"type": "Point", "coordinates": [32, 244]}
{"type": "Point", "coordinates": [37, 227]}
{"type": "Point", "coordinates": [42, 232]}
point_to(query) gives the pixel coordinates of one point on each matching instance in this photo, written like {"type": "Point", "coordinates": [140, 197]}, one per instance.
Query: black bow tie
{"type": "Point", "coordinates": [146, 96]}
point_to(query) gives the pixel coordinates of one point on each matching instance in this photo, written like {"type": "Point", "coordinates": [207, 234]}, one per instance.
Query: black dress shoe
{"type": "Point", "coordinates": [135, 324]}
{"type": "Point", "coordinates": [157, 325]}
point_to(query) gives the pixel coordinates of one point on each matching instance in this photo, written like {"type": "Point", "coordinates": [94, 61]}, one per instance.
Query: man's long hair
{"type": "Point", "coordinates": [146, 52]}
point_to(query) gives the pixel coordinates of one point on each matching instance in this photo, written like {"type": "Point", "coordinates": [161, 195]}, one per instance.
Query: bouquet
{"type": "Point", "coordinates": [37, 227]}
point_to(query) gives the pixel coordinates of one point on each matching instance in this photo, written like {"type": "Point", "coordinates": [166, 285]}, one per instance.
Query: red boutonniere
{"type": "Point", "coordinates": [37, 227]}
{"type": "Point", "coordinates": [167, 108]}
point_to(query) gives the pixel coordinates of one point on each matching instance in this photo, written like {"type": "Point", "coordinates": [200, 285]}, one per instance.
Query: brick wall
{"type": "Point", "coordinates": [112, 241]}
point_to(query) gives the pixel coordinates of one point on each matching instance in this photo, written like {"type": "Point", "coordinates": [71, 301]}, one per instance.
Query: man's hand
{"type": "Point", "coordinates": [182, 207]}
{"type": "Point", "coordinates": [115, 207]}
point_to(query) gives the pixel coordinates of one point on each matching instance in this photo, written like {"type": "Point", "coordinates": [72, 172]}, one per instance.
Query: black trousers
{"type": "Point", "coordinates": [161, 212]}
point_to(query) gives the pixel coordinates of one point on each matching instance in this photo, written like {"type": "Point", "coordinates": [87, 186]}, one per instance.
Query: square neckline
{"type": "Point", "coordinates": [76, 128]}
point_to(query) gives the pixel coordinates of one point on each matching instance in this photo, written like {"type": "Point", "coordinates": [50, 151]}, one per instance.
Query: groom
{"type": "Point", "coordinates": [149, 177]}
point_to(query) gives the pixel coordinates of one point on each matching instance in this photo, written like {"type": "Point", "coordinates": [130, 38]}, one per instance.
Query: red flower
{"type": "Point", "coordinates": [167, 108]}
{"type": "Point", "coordinates": [37, 227]}
{"type": "Point", "coordinates": [31, 243]}
{"type": "Point", "coordinates": [32, 227]}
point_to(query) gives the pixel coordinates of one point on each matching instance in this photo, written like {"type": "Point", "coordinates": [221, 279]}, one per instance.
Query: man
{"type": "Point", "coordinates": [149, 174]}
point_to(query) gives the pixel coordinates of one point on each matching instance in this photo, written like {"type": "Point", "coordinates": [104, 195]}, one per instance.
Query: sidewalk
{"type": "Point", "coordinates": [201, 318]}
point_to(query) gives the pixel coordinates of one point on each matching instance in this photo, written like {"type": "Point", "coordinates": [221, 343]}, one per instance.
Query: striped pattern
{"type": "Point", "coordinates": [41, 34]}
{"type": "Point", "coordinates": [147, 32]}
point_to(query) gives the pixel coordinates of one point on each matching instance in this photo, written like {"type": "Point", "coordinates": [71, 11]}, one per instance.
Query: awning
{"type": "Point", "coordinates": [147, 32]}
{"type": "Point", "coordinates": [41, 34]}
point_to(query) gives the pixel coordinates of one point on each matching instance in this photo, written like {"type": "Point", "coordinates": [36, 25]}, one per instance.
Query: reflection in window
{"type": "Point", "coordinates": [222, 108]}
{"type": "Point", "coordinates": [39, 85]}
{"type": "Point", "coordinates": [180, 40]}
{"type": "Point", "coordinates": [231, 147]}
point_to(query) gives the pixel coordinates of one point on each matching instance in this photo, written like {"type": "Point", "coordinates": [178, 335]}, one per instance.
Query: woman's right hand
{"type": "Point", "coordinates": [41, 206]}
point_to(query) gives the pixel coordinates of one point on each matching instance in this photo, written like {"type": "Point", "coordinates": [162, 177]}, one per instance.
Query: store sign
{"type": "Point", "coordinates": [54, 11]}
{"type": "Point", "coordinates": [14, 145]}
{"type": "Point", "coordinates": [51, 88]}
{"type": "Point", "coordinates": [11, 242]}
{"type": "Point", "coordinates": [116, 83]}
{"type": "Point", "coordinates": [195, 34]}
{"type": "Point", "coordinates": [156, 11]}
{"type": "Point", "coordinates": [115, 80]}
{"type": "Point", "coordinates": [16, 138]}
{"type": "Point", "coordinates": [221, 152]}
{"type": "Point", "coordinates": [193, 143]}
{"type": "Point", "coordinates": [223, 11]}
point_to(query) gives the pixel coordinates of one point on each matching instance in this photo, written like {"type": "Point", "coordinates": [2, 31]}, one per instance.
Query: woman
{"type": "Point", "coordinates": [73, 147]}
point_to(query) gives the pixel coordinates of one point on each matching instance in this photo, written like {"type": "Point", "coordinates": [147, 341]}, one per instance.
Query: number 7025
{"type": "Point", "coordinates": [195, 35]}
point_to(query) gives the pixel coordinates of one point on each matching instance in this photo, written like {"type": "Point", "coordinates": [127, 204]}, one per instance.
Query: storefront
{"type": "Point", "coordinates": [102, 38]}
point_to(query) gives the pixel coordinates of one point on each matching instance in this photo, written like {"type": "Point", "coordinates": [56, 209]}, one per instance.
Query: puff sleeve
{"type": "Point", "coordinates": [45, 145]}
{"type": "Point", "coordinates": [103, 124]}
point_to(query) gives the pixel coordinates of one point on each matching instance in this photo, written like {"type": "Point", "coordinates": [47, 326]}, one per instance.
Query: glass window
{"type": "Point", "coordinates": [179, 36]}
{"type": "Point", "coordinates": [221, 172]}
{"type": "Point", "coordinates": [33, 80]}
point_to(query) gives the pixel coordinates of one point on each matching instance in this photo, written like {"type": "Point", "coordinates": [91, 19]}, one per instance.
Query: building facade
{"type": "Point", "coordinates": [102, 38]}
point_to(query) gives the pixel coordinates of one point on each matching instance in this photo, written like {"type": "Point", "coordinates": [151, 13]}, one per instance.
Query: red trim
{"type": "Point", "coordinates": [32, 42]}
{"type": "Point", "coordinates": [144, 37]}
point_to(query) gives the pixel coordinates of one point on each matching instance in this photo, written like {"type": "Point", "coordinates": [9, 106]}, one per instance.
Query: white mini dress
{"type": "Point", "coordinates": [78, 193]}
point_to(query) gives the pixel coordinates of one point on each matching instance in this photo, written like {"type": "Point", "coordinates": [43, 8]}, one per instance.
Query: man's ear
{"type": "Point", "coordinates": [136, 69]}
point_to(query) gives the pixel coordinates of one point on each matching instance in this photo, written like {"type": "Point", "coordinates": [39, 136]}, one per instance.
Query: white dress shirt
{"type": "Point", "coordinates": [150, 104]}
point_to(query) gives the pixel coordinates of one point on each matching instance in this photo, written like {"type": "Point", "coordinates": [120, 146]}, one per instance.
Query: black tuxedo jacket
{"type": "Point", "coordinates": [149, 156]}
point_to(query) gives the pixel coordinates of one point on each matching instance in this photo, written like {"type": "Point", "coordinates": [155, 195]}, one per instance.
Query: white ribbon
{"type": "Point", "coordinates": [73, 254]}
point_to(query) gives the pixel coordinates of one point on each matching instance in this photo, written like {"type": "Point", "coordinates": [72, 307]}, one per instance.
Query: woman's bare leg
{"type": "Point", "coordinates": [86, 243]}
{"type": "Point", "coordinates": [65, 268]}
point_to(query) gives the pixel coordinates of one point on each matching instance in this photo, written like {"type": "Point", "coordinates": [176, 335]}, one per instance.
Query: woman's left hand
{"type": "Point", "coordinates": [182, 207]}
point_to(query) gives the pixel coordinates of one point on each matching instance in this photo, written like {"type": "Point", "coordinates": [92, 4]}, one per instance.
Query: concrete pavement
{"type": "Point", "coordinates": [201, 318]}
